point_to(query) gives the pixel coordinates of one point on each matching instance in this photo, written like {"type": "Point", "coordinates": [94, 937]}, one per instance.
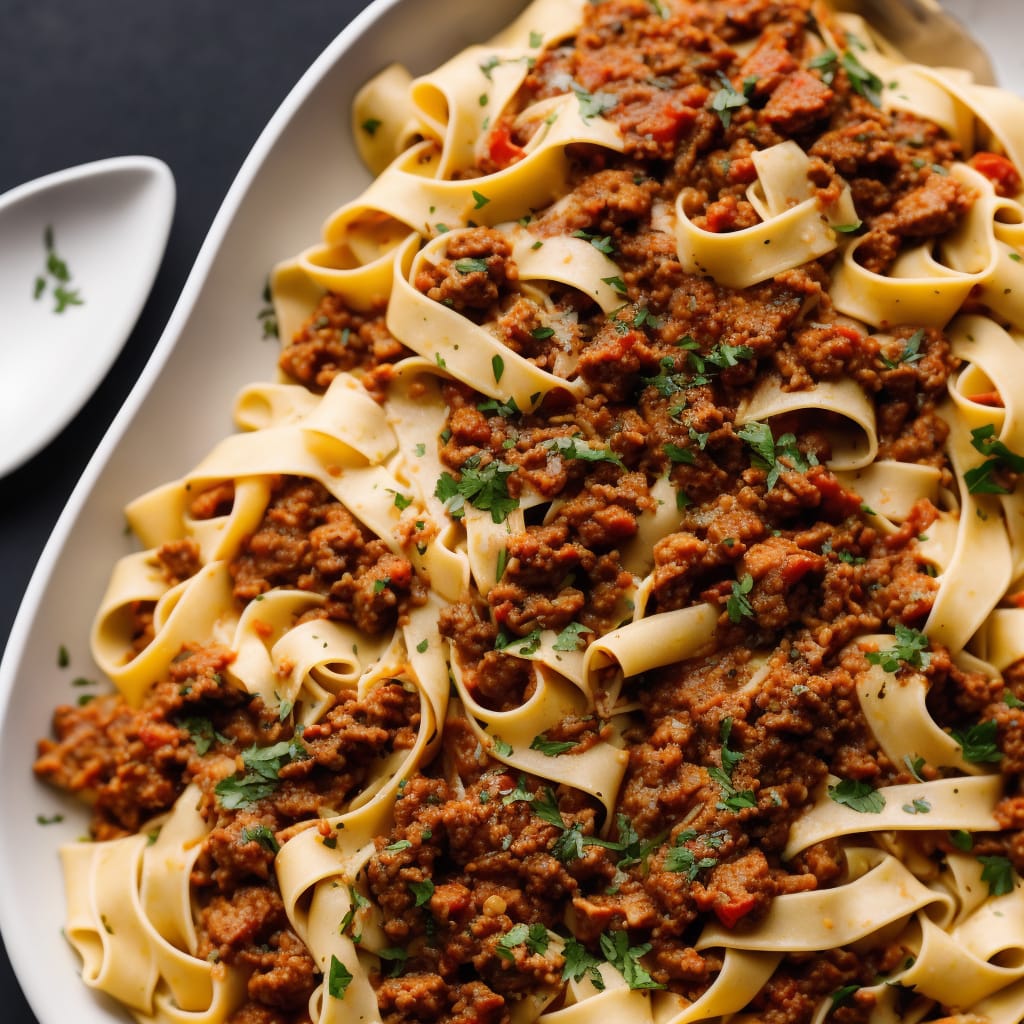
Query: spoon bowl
{"type": "Point", "coordinates": [79, 251]}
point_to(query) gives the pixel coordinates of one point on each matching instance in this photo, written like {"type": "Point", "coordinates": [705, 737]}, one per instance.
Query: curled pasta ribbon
{"type": "Point", "coordinates": [507, 736]}
{"type": "Point", "coordinates": [880, 892]}
{"type": "Point", "coordinates": [966, 598]}
{"type": "Point", "coordinates": [990, 354]}
{"type": "Point", "coordinates": [964, 803]}
{"type": "Point", "coordinates": [896, 709]}
{"type": "Point", "coordinates": [130, 918]}
{"type": "Point", "coordinates": [743, 974]}
{"type": "Point", "coordinates": [854, 445]}
{"type": "Point", "coordinates": [925, 288]}
{"type": "Point", "coordinates": [644, 644]}
{"type": "Point", "coordinates": [199, 610]}
{"type": "Point", "coordinates": [318, 879]}
{"type": "Point", "coordinates": [465, 350]}
{"type": "Point", "coordinates": [457, 102]}
{"type": "Point", "coordinates": [383, 117]}
{"type": "Point", "coordinates": [795, 226]}
{"type": "Point", "coordinates": [412, 197]}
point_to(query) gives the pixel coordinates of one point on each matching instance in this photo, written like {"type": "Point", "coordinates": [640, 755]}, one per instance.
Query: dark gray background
{"type": "Point", "coordinates": [189, 81]}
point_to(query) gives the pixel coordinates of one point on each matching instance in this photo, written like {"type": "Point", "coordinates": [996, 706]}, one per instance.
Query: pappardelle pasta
{"type": "Point", "coordinates": [613, 610]}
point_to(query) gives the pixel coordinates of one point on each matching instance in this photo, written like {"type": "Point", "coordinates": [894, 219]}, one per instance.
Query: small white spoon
{"type": "Point", "coordinates": [79, 251]}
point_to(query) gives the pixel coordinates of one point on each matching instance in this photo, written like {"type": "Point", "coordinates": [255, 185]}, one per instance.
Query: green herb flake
{"type": "Point", "coordinates": [626, 960]}
{"type": "Point", "coordinates": [551, 748]}
{"type": "Point", "coordinates": [998, 872]}
{"type": "Point", "coordinates": [260, 834]}
{"type": "Point", "coordinates": [910, 353]}
{"type": "Point", "coordinates": [602, 243]}
{"type": "Point", "coordinates": [260, 778]}
{"type": "Point", "coordinates": [918, 806]}
{"type": "Point", "coordinates": [371, 124]}
{"type": "Point", "coordinates": [910, 648]}
{"type": "Point", "coordinates": [858, 796]}
{"type": "Point", "coordinates": [738, 605]}
{"type": "Point", "coordinates": [421, 891]}
{"type": "Point", "coordinates": [534, 937]}
{"type": "Point", "coordinates": [338, 979]}
{"type": "Point", "coordinates": [471, 265]}
{"type": "Point", "coordinates": [500, 747]}
{"type": "Point", "coordinates": [962, 839]}
{"type": "Point", "coordinates": [570, 638]}
{"type": "Point", "coordinates": [485, 488]}
{"type": "Point", "coordinates": [978, 742]}
{"type": "Point", "coordinates": [577, 447]}
{"type": "Point", "coordinates": [579, 961]}
{"type": "Point", "coordinates": [863, 81]}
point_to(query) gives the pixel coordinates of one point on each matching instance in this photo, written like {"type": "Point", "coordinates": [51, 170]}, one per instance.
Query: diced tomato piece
{"type": "Point", "coordinates": [999, 170]}
{"type": "Point", "coordinates": [731, 912]}
{"type": "Point", "coordinates": [991, 398]}
{"type": "Point", "coordinates": [503, 151]}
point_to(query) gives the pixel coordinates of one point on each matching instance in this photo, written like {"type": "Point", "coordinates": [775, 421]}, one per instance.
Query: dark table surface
{"type": "Point", "coordinates": [189, 81]}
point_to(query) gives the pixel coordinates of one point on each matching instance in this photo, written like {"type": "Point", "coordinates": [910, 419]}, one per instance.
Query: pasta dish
{"type": "Point", "coordinates": [612, 609]}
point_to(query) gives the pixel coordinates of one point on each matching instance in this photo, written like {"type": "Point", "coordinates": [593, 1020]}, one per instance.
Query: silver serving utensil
{"type": "Point", "coordinates": [926, 33]}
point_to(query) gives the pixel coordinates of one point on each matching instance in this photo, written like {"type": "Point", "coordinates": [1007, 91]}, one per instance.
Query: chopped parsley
{"type": "Point", "coordinates": [684, 860]}
{"type": "Point", "coordinates": [523, 646]}
{"type": "Point", "coordinates": [471, 265]}
{"type": "Point", "coordinates": [56, 276]}
{"type": "Point", "coordinates": [998, 872]}
{"type": "Point", "coordinates": [767, 453]}
{"type": "Point", "coordinates": [421, 891]}
{"type": "Point", "coordinates": [534, 937]}
{"type": "Point", "coordinates": [626, 959]}
{"type": "Point", "coordinates": [978, 742]}
{"type": "Point", "coordinates": [551, 748]}
{"type": "Point", "coordinates": [917, 806]}
{"type": "Point", "coordinates": [858, 796]}
{"type": "Point", "coordinates": [732, 798]}
{"type": "Point", "coordinates": [484, 487]}
{"type": "Point", "coordinates": [338, 979]}
{"type": "Point", "coordinates": [500, 747]}
{"type": "Point", "coordinates": [260, 834]}
{"type": "Point", "coordinates": [580, 961]}
{"type": "Point", "coordinates": [863, 81]}
{"type": "Point", "coordinates": [997, 457]}
{"type": "Point", "coordinates": [260, 778]}
{"type": "Point", "coordinates": [738, 605]}
{"type": "Point", "coordinates": [910, 648]}
{"type": "Point", "coordinates": [911, 352]}
{"type": "Point", "coordinates": [602, 243]}
{"type": "Point", "coordinates": [576, 447]}
{"type": "Point", "coordinates": [396, 956]}
{"type": "Point", "coordinates": [357, 902]}
{"type": "Point", "coordinates": [727, 99]}
{"type": "Point", "coordinates": [570, 638]}
{"type": "Point", "coordinates": [201, 732]}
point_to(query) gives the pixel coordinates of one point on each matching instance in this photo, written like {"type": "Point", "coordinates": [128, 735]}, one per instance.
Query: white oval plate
{"type": "Point", "coordinates": [301, 168]}
{"type": "Point", "coordinates": [108, 221]}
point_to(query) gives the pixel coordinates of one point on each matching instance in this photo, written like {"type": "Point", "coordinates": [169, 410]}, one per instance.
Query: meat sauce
{"type": "Point", "coordinates": [664, 376]}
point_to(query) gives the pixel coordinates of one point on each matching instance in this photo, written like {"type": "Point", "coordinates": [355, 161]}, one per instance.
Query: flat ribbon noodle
{"type": "Point", "coordinates": [852, 450]}
{"type": "Point", "coordinates": [795, 227]}
{"type": "Point", "coordinates": [882, 891]}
